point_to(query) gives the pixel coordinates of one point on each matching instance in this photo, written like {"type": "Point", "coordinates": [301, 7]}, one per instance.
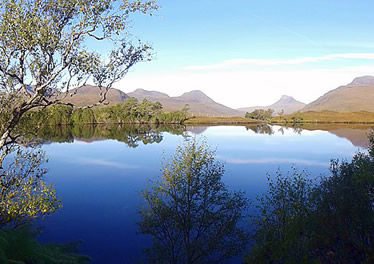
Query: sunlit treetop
{"type": "Point", "coordinates": [43, 42]}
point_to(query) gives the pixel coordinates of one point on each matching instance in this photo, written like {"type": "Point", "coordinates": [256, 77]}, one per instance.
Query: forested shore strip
{"type": "Point", "coordinates": [128, 112]}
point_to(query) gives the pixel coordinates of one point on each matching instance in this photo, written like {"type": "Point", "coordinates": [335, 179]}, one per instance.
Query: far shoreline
{"type": "Point", "coordinates": [298, 118]}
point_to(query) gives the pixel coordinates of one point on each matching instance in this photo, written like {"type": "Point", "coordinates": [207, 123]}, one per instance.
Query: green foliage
{"type": "Point", "coordinates": [44, 54]}
{"type": "Point", "coordinates": [83, 116]}
{"type": "Point", "coordinates": [260, 114]}
{"type": "Point", "coordinates": [23, 193]}
{"type": "Point", "coordinates": [190, 214]}
{"type": "Point", "coordinates": [58, 115]}
{"type": "Point", "coordinates": [19, 245]}
{"type": "Point", "coordinates": [174, 117]}
{"type": "Point", "coordinates": [281, 222]}
{"type": "Point", "coordinates": [343, 218]}
{"type": "Point", "coordinates": [128, 112]}
{"type": "Point", "coordinates": [297, 118]}
{"type": "Point", "coordinates": [331, 221]}
{"type": "Point", "coordinates": [55, 115]}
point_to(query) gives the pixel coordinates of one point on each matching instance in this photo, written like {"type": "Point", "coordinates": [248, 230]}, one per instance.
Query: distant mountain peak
{"type": "Point", "coordinates": [91, 94]}
{"type": "Point", "coordinates": [286, 103]}
{"type": "Point", "coordinates": [196, 95]}
{"type": "Point", "coordinates": [140, 90]}
{"type": "Point", "coordinates": [142, 93]}
{"type": "Point", "coordinates": [363, 80]}
{"type": "Point", "coordinates": [286, 99]}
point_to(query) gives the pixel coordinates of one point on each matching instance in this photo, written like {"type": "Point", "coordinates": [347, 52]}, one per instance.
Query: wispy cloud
{"type": "Point", "coordinates": [102, 162]}
{"type": "Point", "coordinates": [275, 161]}
{"type": "Point", "coordinates": [269, 62]}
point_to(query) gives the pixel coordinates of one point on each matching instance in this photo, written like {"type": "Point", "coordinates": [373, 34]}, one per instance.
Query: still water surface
{"type": "Point", "coordinates": [99, 178]}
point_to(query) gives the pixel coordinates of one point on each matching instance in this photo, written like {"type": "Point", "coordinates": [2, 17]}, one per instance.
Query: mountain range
{"type": "Point", "coordinates": [286, 103]}
{"type": "Point", "coordinates": [198, 102]}
{"type": "Point", "coordinates": [356, 96]}
{"type": "Point", "coordinates": [90, 94]}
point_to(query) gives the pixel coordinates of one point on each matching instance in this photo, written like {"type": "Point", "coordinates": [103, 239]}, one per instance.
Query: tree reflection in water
{"type": "Point", "coordinates": [261, 129]}
{"type": "Point", "coordinates": [24, 195]}
{"type": "Point", "coordinates": [131, 135]}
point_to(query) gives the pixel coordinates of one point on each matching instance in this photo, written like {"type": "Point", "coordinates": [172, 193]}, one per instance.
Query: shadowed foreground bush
{"type": "Point", "coordinates": [330, 221]}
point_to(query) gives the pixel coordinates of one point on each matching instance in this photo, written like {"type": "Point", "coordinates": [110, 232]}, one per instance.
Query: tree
{"type": "Point", "coordinates": [260, 114]}
{"type": "Point", "coordinates": [280, 234]}
{"type": "Point", "coordinates": [343, 218]}
{"type": "Point", "coordinates": [43, 53]}
{"type": "Point", "coordinates": [190, 214]}
{"type": "Point", "coordinates": [297, 118]}
{"type": "Point", "coordinates": [23, 193]}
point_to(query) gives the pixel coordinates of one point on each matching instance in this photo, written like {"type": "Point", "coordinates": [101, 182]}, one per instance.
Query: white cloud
{"type": "Point", "coordinates": [102, 162]}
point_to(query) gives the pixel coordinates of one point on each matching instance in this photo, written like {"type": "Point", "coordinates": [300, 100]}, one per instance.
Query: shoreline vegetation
{"type": "Point", "coordinates": [128, 112]}
{"type": "Point", "coordinates": [131, 111]}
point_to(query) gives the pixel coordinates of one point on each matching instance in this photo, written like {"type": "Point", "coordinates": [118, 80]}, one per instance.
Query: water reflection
{"type": "Point", "coordinates": [357, 134]}
{"type": "Point", "coordinates": [24, 196]}
{"type": "Point", "coordinates": [131, 135]}
{"type": "Point", "coordinates": [99, 183]}
{"type": "Point", "coordinates": [261, 129]}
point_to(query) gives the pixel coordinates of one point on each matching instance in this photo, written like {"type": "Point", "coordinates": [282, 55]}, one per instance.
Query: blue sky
{"type": "Point", "coordinates": [244, 53]}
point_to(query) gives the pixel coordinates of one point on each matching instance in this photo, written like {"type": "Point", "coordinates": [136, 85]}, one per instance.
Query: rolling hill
{"type": "Point", "coordinates": [198, 102]}
{"type": "Point", "coordinates": [286, 103]}
{"type": "Point", "coordinates": [356, 96]}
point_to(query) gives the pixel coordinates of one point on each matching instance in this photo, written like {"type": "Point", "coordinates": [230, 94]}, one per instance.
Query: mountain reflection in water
{"type": "Point", "coordinates": [132, 135]}
{"type": "Point", "coordinates": [100, 183]}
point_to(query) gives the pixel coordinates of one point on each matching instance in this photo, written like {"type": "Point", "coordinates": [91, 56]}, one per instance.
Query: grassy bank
{"type": "Point", "coordinates": [310, 117]}
{"type": "Point", "coordinates": [204, 120]}
{"type": "Point", "coordinates": [326, 117]}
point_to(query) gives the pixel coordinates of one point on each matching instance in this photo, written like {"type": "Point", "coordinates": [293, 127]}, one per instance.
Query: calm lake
{"type": "Point", "coordinates": [99, 172]}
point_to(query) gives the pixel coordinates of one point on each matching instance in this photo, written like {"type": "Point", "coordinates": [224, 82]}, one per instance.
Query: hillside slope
{"type": "Point", "coordinates": [356, 96]}
{"type": "Point", "coordinates": [89, 95]}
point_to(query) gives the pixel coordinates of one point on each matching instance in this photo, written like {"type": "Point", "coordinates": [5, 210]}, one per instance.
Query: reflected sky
{"type": "Point", "coordinates": [100, 182]}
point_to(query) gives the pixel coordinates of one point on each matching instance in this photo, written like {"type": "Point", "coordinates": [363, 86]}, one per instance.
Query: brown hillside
{"type": "Point", "coordinates": [89, 95]}
{"type": "Point", "coordinates": [357, 96]}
